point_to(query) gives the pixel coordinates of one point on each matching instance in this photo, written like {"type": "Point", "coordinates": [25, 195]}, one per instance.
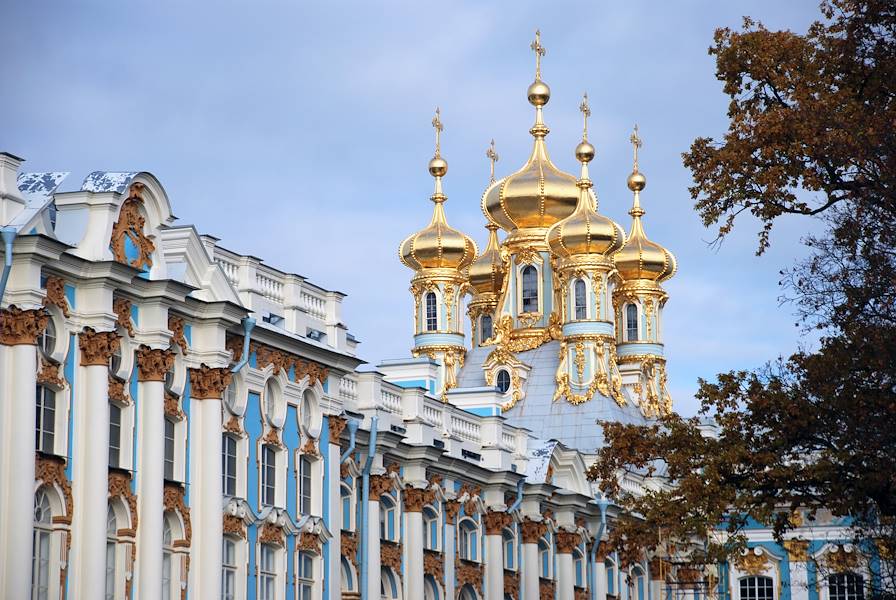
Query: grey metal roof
{"type": "Point", "coordinates": [37, 191]}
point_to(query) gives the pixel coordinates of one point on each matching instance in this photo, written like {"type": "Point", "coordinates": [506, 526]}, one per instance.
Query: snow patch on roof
{"type": "Point", "coordinates": [540, 452]}
{"type": "Point", "coordinates": [108, 181]}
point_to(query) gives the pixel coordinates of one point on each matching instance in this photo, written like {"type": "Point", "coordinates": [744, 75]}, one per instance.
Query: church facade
{"type": "Point", "coordinates": [182, 421]}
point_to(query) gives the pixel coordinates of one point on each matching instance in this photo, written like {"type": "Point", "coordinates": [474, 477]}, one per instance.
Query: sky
{"type": "Point", "coordinates": [300, 133]}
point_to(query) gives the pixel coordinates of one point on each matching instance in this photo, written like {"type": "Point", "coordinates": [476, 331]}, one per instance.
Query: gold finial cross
{"type": "Point", "coordinates": [636, 144]}
{"type": "Point", "coordinates": [586, 112]}
{"type": "Point", "coordinates": [539, 52]}
{"type": "Point", "coordinates": [493, 157]}
{"type": "Point", "coordinates": [437, 123]}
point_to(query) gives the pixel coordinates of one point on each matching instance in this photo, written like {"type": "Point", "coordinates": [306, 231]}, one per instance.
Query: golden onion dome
{"type": "Point", "coordinates": [585, 231]}
{"type": "Point", "coordinates": [539, 194]}
{"type": "Point", "coordinates": [641, 258]}
{"type": "Point", "coordinates": [438, 246]}
{"type": "Point", "coordinates": [487, 271]}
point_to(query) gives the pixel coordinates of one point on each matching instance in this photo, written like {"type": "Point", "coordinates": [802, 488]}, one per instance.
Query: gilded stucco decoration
{"type": "Point", "coordinates": [451, 508]}
{"type": "Point", "coordinates": [176, 325]}
{"type": "Point", "coordinates": [433, 565]}
{"type": "Point", "coordinates": [48, 373]}
{"type": "Point", "coordinates": [308, 542]}
{"type": "Point", "coordinates": [56, 295]}
{"type": "Point", "coordinates": [233, 525]}
{"type": "Point", "coordinates": [337, 426]}
{"type": "Point", "coordinates": [122, 309]}
{"type": "Point", "coordinates": [130, 226]}
{"type": "Point", "coordinates": [752, 563]}
{"type": "Point", "coordinates": [468, 572]}
{"type": "Point", "coordinates": [97, 347]}
{"type": "Point", "coordinates": [567, 541]}
{"type": "Point", "coordinates": [281, 361]}
{"type": "Point", "coordinates": [797, 550]}
{"type": "Point", "coordinates": [496, 521]}
{"type": "Point", "coordinates": [233, 425]}
{"type": "Point", "coordinates": [272, 534]}
{"type": "Point", "coordinates": [50, 470]}
{"type": "Point", "coordinates": [120, 486]}
{"type": "Point", "coordinates": [173, 408]}
{"type": "Point", "coordinates": [512, 584]}
{"type": "Point", "coordinates": [349, 547]}
{"type": "Point", "coordinates": [118, 391]}
{"type": "Point", "coordinates": [173, 500]}
{"type": "Point", "coordinates": [209, 383]}
{"type": "Point", "coordinates": [22, 327]}
{"type": "Point", "coordinates": [545, 589]}
{"type": "Point", "coordinates": [153, 363]}
{"type": "Point", "coordinates": [531, 531]}
{"type": "Point", "coordinates": [379, 485]}
{"type": "Point", "coordinates": [390, 555]}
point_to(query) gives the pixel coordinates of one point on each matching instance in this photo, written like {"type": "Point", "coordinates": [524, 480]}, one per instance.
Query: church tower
{"type": "Point", "coordinates": [638, 301]}
{"type": "Point", "coordinates": [583, 245]}
{"type": "Point", "coordinates": [439, 255]}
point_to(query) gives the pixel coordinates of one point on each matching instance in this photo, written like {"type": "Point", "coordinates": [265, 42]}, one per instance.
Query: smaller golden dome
{"type": "Point", "coordinates": [585, 231]}
{"type": "Point", "coordinates": [438, 246]}
{"type": "Point", "coordinates": [487, 271]}
{"type": "Point", "coordinates": [641, 258]}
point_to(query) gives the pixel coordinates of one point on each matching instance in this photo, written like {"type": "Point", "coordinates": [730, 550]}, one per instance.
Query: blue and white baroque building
{"type": "Point", "coordinates": [182, 421]}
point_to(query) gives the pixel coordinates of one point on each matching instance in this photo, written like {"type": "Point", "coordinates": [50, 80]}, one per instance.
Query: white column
{"type": "Point", "coordinates": [18, 455]}
{"type": "Point", "coordinates": [90, 485]}
{"type": "Point", "coordinates": [372, 531]}
{"type": "Point", "coordinates": [414, 499]}
{"type": "Point", "coordinates": [494, 567]}
{"type": "Point", "coordinates": [451, 508]}
{"type": "Point", "coordinates": [530, 570]}
{"type": "Point", "coordinates": [600, 577]}
{"type": "Point", "coordinates": [565, 577]}
{"type": "Point", "coordinates": [153, 364]}
{"type": "Point", "coordinates": [797, 555]}
{"type": "Point", "coordinates": [334, 524]}
{"type": "Point", "coordinates": [207, 386]}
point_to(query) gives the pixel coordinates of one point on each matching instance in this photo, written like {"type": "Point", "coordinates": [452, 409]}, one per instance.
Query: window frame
{"type": "Point", "coordinates": [630, 326]}
{"type": "Point", "coordinates": [305, 579]}
{"type": "Point", "coordinates": [483, 334]}
{"type": "Point", "coordinates": [580, 305]}
{"type": "Point", "coordinates": [506, 373]}
{"type": "Point", "coordinates": [431, 528]}
{"type": "Point", "coordinates": [170, 450]}
{"type": "Point", "coordinates": [267, 490]}
{"type": "Point", "coordinates": [229, 477]}
{"type": "Point", "coordinates": [45, 419]}
{"type": "Point", "coordinates": [267, 551]}
{"type": "Point", "coordinates": [852, 586]}
{"type": "Point", "coordinates": [528, 294]}
{"type": "Point", "coordinates": [115, 431]}
{"type": "Point", "coordinates": [757, 592]}
{"type": "Point", "coordinates": [468, 540]}
{"type": "Point", "coordinates": [305, 485]}
{"type": "Point", "coordinates": [430, 312]}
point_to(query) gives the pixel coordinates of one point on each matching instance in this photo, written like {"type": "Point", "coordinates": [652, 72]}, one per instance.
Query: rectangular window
{"type": "Point", "coordinates": [169, 449]}
{"type": "Point", "coordinates": [267, 575]}
{"type": "Point", "coordinates": [631, 322]}
{"type": "Point", "coordinates": [228, 465]}
{"type": "Point", "coordinates": [268, 475]}
{"type": "Point", "coordinates": [114, 435]}
{"type": "Point", "coordinates": [305, 573]}
{"type": "Point", "coordinates": [304, 486]}
{"type": "Point", "coordinates": [756, 588]}
{"type": "Point", "coordinates": [228, 570]}
{"type": "Point", "coordinates": [45, 427]}
{"type": "Point", "coordinates": [432, 319]}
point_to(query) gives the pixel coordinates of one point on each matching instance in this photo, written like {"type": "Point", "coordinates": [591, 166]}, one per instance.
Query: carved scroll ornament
{"type": "Point", "coordinates": [153, 363]}
{"type": "Point", "coordinates": [56, 295]}
{"type": "Point", "coordinates": [22, 327]}
{"type": "Point", "coordinates": [209, 383]}
{"type": "Point", "coordinates": [97, 347]}
{"type": "Point", "coordinates": [130, 226]}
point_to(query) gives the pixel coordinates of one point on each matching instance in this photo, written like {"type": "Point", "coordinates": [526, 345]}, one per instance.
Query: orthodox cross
{"type": "Point", "coordinates": [437, 123]}
{"type": "Point", "coordinates": [493, 158]}
{"type": "Point", "coordinates": [636, 143]}
{"type": "Point", "coordinates": [586, 112]}
{"type": "Point", "coordinates": [539, 52]}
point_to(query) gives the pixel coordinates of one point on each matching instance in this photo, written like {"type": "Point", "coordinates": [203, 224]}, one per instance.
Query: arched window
{"type": "Point", "coordinates": [228, 570]}
{"type": "Point", "coordinates": [228, 464]}
{"type": "Point", "coordinates": [348, 507]}
{"type": "Point", "coordinates": [268, 475]}
{"type": "Point", "coordinates": [388, 584]}
{"type": "Point", "coordinates": [432, 315]}
{"type": "Point", "coordinates": [267, 572]}
{"type": "Point", "coordinates": [502, 381]}
{"type": "Point", "coordinates": [114, 435]}
{"type": "Point", "coordinates": [430, 528]}
{"type": "Point", "coordinates": [845, 586]}
{"type": "Point", "coordinates": [304, 477]}
{"type": "Point", "coordinates": [468, 593]}
{"type": "Point", "coordinates": [631, 322]}
{"type": "Point", "coordinates": [387, 518]}
{"type": "Point", "coordinates": [638, 582]}
{"type": "Point", "coordinates": [485, 328]}
{"type": "Point", "coordinates": [530, 289]}
{"type": "Point", "coordinates": [45, 427]}
{"type": "Point", "coordinates": [169, 449]}
{"type": "Point", "coordinates": [167, 556]}
{"type": "Point", "coordinates": [40, 552]}
{"type": "Point", "coordinates": [757, 588]}
{"type": "Point", "coordinates": [468, 539]}
{"type": "Point", "coordinates": [305, 576]}
{"type": "Point", "coordinates": [111, 533]}
{"type": "Point", "coordinates": [610, 568]}
{"type": "Point", "coordinates": [47, 341]}
{"type": "Point", "coordinates": [581, 305]}
{"type": "Point", "coordinates": [431, 588]}
{"type": "Point", "coordinates": [509, 541]}
{"type": "Point", "coordinates": [348, 576]}
{"type": "Point", "coordinates": [578, 562]}
{"type": "Point", "coordinates": [544, 558]}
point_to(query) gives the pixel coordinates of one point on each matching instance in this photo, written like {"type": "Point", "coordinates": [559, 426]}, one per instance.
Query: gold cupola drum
{"type": "Point", "coordinates": [440, 256]}
{"type": "Point", "coordinates": [638, 300]}
{"type": "Point", "coordinates": [583, 245]}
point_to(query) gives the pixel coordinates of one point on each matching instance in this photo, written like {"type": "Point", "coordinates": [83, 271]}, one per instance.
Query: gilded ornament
{"type": "Point", "coordinates": [496, 521]}
{"type": "Point", "coordinates": [22, 327]}
{"type": "Point", "coordinates": [797, 550]}
{"type": "Point", "coordinates": [49, 373]}
{"type": "Point", "coordinates": [50, 470]}
{"type": "Point", "coordinates": [511, 584]}
{"type": "Point", "coordinates": [130, 226]}
{"type": "Point", "coordinates": [233, 525]}
{"type": "Point", "coordinates": [337, 426]}
{"type": "Point", "coordinates": [390, 555]}
{"type": "Point", "coordinates": [209, 383]}
{"type": "Point", "coordinates": [117, 391]}
{"type": "Point", "coordinates": [580, 361]}
{"type": "Point", "coordinates": [153, 363]}
{"type": "Point", "coordinates": [528, 255]}
{"type": "Point", "coordinates": [172, 407]}
{"type": "Point", "coordinates": [451, 508]}
{"type": "Point", "coordinates": [308, 542]}
{"type": "Point", "coordinates": [56, 295]}
{"type": "Point", "coordinates": [567, 541]}
{"type": "Point", "coordinates": [97, 347]}
{"type": "Point", "coordinates": [839, 561]}
{"type": "Point", "coordinates": [272, 534]}
{"type": "Point", "coordinates": [176, 326]}
{"type": "Point", "coordinates": [545, 589]}
{"type": "Point", "coordinates": [752, 563]}
{"type": "Point", "coordinates": [349, 547]}
{"type": "Point", "coordinates": [122, 309]}
{"type": "Point", "coordinates": [414, 499]}
{"type": "Point", "coordinates": [380, 485]}
{"type": "Point", "coordinates": [120, 486]}
{"type": "Point", "coordinates": [433, 565]}
{"type": "Point", "coordinates": [529, 319]}
{"type": "Point", "coordinates": [233, 426]}
{"type": "Point", "coordinates": [531, 531]}
{"type": "Point", "coordinates": [273, 437]}
{"type": "Point", "coordinates": [468, 572]}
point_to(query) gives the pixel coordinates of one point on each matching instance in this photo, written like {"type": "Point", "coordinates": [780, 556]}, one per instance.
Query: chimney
{"type": "Point", "coordinates": [11, 201]}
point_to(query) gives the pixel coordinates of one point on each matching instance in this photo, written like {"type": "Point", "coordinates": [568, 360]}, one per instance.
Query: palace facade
{"type": "Point", "coordinates": [182, 421]}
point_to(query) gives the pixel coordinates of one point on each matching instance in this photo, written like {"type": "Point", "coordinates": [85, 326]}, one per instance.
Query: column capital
{"type": "Point", "coordinates": [496, 521]}
{"type": "Point", "coordinates": [567, 541]}
{"type": "Point", "coordinates": [209, 383]}
{"type": "Point", "coordinates": [153, 363]}
{"type": "Point", "coordinates": [97, 347]}
{"type": "Point", "coordinates": [414, 499]}
{"type": "Point", "coordinates": [22, 327]}
{"type": "Point", "coordinates": [379, 485]}
{"type": "Point", "coordinates": [451, 507]}
{"type": "Point", "coordinates": [532, 530]}
{"type": "Point", "coordinates": [337, 426]}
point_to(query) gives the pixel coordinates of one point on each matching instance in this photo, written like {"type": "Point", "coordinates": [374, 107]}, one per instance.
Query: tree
{"type": "Point", "coordinates": [812, 132]}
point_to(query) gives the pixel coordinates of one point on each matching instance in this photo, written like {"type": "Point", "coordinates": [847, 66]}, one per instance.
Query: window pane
{"type": "Point", "coordinates": [631, 322]}
{"type": "Point", "coordinates": [45, 415]}
{"type": "Point", "coordinates": [530, 289]}
{"type": "Point", "coordinates": [486, 327]}
{"type": "Point", "coordinates": [228, 465]}
{"type": "Point", "coordinates": [114, 435]}
{"type": "Point", "coordinates": [169, 449]}
{"type": "Point", "coordinates": [432, 319]}
{"type": "Point", "coordinates": [580, 303]}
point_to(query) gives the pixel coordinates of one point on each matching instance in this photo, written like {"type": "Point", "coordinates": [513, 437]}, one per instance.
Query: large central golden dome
{"type": "Point", "coordinates": [539, 194]}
